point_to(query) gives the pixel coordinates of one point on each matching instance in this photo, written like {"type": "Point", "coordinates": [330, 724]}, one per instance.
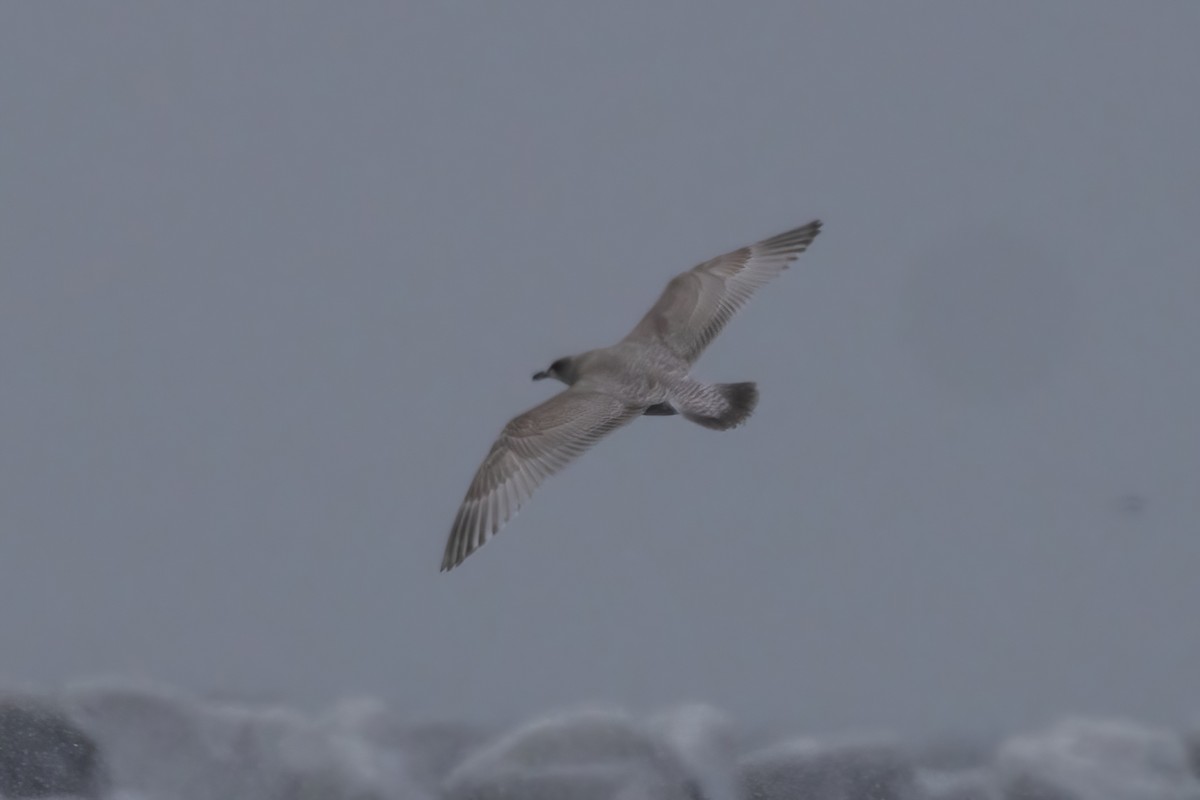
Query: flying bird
{"type": "Point", "coordinates": [646, 373]}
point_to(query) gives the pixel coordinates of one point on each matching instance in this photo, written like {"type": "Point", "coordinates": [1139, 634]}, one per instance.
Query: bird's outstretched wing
{"type": "Point", "coordinates": [696, 304]}
{"type": "Point", "coordinates": [532, 446]}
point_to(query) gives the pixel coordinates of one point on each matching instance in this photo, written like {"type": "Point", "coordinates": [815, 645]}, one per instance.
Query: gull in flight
{"type": "Point", "coordinates": [647, 372]}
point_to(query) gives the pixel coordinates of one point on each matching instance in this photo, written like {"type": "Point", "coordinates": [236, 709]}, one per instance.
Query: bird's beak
{"type": "Point", "coordinates": [537, 376]}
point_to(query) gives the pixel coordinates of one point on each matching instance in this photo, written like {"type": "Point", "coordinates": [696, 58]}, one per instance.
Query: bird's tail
{"type": "Point", "coordinates": [722, 406]}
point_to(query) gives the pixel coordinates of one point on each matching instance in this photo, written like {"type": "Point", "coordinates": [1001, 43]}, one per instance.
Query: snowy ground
{"type": "Point", "coordinates": [121, 743]}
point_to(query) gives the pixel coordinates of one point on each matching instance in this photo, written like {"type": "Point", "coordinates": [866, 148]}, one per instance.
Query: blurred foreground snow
{"type": "Point", "coordinates": [122, 743]}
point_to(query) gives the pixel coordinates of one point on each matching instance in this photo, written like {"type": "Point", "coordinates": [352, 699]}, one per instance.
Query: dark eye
{"type": "Point", "coordinates": [559, 366]}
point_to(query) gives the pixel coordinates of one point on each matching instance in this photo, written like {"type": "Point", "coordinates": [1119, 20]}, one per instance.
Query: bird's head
{"type": "Point", "coordinates": [563, 369]}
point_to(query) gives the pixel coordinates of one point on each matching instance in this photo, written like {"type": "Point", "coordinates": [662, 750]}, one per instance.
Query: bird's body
{"type": "Point", "coordinates": [641, 374]}
{"type": "Point", "coordinates": [646, 373]}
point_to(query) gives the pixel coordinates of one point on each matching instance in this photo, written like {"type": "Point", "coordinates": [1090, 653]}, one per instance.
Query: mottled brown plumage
{"type": "Point", "coordinates": [646, 372]}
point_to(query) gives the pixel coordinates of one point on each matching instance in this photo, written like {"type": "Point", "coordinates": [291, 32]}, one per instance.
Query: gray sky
{"type": "Point", "coordinates": [273, 276]}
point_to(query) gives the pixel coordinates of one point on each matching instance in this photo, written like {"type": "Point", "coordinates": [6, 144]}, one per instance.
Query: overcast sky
{"type": "Point", "coordinates": [272, 277]}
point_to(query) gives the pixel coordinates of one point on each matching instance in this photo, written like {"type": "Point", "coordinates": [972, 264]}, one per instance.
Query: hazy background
{"type": "Point", "coordinates": [273, 276]}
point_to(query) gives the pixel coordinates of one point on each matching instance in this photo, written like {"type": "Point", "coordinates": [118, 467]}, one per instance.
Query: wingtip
{"type": "Point", "coordinates": [449, 563]}
{"type": "Point", "coordinates": [458, 550]}
{"type": "Point", "coordinates": [452, 560]}
{"type": "Point", "coordinates": [790, 243]}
